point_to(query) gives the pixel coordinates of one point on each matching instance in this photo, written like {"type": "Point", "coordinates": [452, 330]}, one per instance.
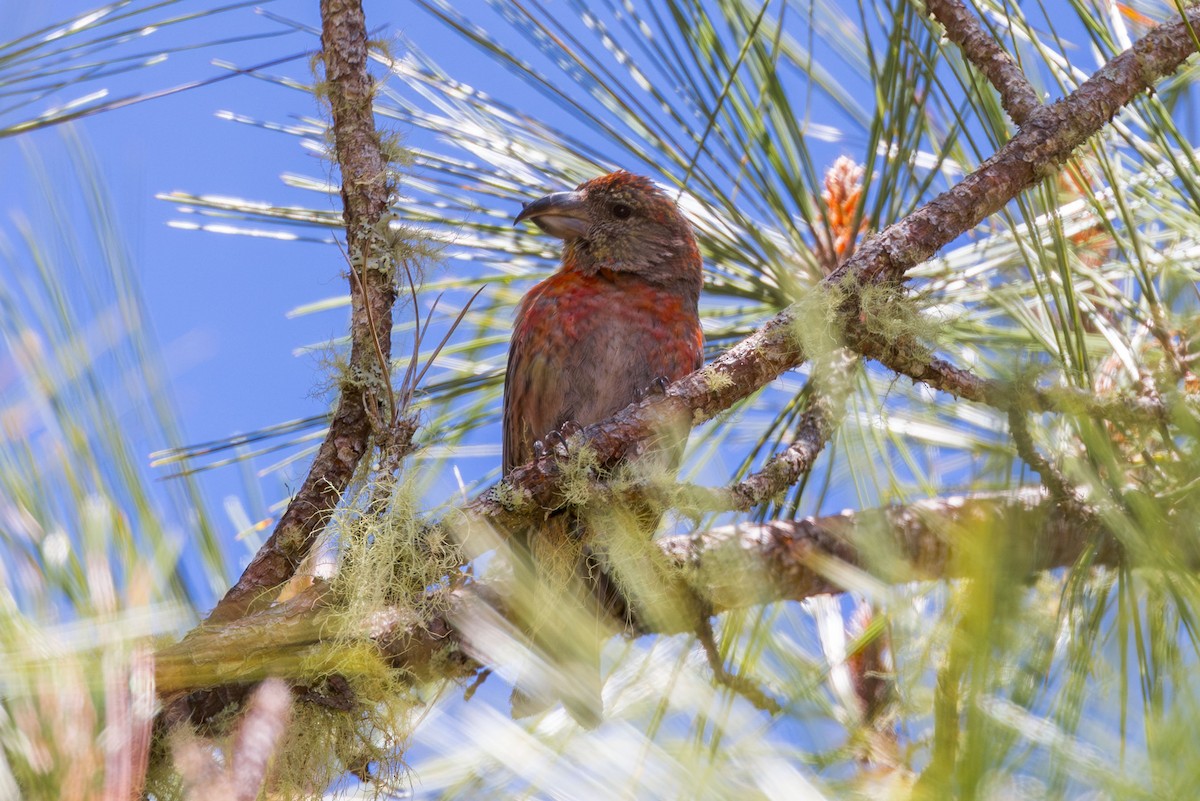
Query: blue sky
{"type": "Point", "coordinates": [218, 304]}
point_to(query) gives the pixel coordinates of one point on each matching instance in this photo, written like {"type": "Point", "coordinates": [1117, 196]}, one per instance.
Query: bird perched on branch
{"type": "Point", "coordinates": [617, 319]}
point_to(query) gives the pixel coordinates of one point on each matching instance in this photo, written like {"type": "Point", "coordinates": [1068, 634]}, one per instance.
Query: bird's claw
{"type": "Point", "coordinates": [659, 386]}
{"type": "Point", "coordinates": [556, 441]}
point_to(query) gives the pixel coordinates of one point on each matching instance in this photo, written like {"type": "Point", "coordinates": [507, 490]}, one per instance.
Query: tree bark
{"type": "Point", "coordinates": [365, 196]}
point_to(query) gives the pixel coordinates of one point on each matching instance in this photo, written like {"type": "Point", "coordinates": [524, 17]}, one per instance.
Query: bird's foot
{"type": "Point", "coordinates": [657, 387]}
{"type": "Point", "coordinates": [558, 443]}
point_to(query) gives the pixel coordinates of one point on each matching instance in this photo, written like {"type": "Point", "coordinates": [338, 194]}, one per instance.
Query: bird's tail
{"type": "Point", "coordinates": [572, 676]}
{"type": "Point", "coordinates": [561, 610]}
{"type": "Point", "coordinates": [582, 587]}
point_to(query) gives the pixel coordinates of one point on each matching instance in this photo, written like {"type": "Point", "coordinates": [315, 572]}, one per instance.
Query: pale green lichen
{"type": "Point", "coordinates": [386, 560]}
{"type": "Point", "coordinates": [511, 498]}
{"type": "Point", "coordinates": [386, 557]}
{"type": "Point", "coordinates": [579, 471]}
{"type": "Point", "coordinates": [816, 324]}
{"type": "Point", "coordinates": [831, 313]}
{"type": "Point", "coordinates": [717, 380]}
{"type": "Point", "coordinates": [892, 314]}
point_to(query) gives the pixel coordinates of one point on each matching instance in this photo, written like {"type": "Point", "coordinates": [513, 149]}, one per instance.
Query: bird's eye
{"type": "Point", "coordinates": [621, 211]}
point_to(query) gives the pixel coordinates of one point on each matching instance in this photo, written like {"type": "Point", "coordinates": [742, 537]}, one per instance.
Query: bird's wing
{"type": "Point", "coordinates": [535, 390]}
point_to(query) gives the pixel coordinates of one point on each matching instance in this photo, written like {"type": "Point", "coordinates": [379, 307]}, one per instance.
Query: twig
{"type": "Point", "coordinates": [383, 361]}
{"type": "Point", "coordinates": [1016, 94]}
{"type": "Point", "coordinates": [741, 685]}
{"type": "Point", "coordinates": [1046, 140]}
{"type": "Point", "coordinates": [831, 382]}
{"type": "Point", "coordinates": [913, 360]}
{"type": "Point", "coordinates": [1050, 475]}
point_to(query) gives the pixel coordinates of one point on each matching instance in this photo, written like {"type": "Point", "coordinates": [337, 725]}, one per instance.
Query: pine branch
{"type": "Point", "coordinates": [1016, 94]}
{"type": "Point", "coordinates": [913, 360]}
{"type": "Point", "coordinates": [365, 195]}
{"type": "Point", "coordinates": [1051, 476]}
{"type": "Point", "coordinates": [731, 567]}
{"type": "Point", "coordinates": [1047, 139]}
{"type": "Point", "coordinates": [831, 389]}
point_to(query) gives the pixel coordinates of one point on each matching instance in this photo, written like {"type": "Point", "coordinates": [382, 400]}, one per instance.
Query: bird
{"type": "Point", "coordinates": [617, 320]}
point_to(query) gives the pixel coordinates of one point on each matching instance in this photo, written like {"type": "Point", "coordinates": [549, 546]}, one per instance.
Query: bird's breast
{"type": "Point", "coordinates": [610, 336]}
{"type": "Point", "coordinates": [597, 311]}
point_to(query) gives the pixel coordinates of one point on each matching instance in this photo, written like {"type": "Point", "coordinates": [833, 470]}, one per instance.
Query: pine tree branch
{"type": "Point", "coordinates": [1016, 94]}
{"type": "Point", "coordinates": [1047, 139]}
{"type": "Point", "coordinates": [731, 567]}
{"type": "Point", "coordinates": [831, 388]}
{"type": "Point", "coordinates": [365, 194]}
{"type": "Point", "coordinates": [1052, 477]}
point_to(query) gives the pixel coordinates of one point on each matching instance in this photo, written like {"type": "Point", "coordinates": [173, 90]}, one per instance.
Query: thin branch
{"type": "Point", "coordinates": [1017, 96]}
{"type": "Point", "coordinates": [784, 469]}
{"type": "Point", "coordinates": [365, 202]}
{"type": "Point", "coordinates": [1051, 477]}
{"type": "Point", "coordinates": [816, 425]}
{"type": "Point", "coordinates": [741, 685]}
{"type": "Point", "coordinates": [382, 360]}
{"type": "Point", "coordinates": [911, 359]}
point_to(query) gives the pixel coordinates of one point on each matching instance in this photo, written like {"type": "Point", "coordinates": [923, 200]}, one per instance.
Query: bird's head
{"type": "Point", "coordinates": [623, 223]}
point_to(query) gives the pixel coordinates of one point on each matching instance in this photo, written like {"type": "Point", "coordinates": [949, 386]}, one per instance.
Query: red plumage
{"type": "Point", "coordinates": [620, 312]}
{"type": "Point", "coordinates": [584, 346]}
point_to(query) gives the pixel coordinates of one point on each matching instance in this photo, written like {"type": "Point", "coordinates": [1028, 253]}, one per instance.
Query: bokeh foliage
{"type": "Point", "coordinates": [1055, 685]}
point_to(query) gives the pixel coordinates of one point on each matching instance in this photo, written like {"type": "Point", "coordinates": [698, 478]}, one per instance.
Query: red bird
{"type": "Point", "coordinates": [618, 316]}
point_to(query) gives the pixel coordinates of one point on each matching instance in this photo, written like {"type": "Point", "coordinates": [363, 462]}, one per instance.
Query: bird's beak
{"type": "Point", "coordinates": [562, 214]}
